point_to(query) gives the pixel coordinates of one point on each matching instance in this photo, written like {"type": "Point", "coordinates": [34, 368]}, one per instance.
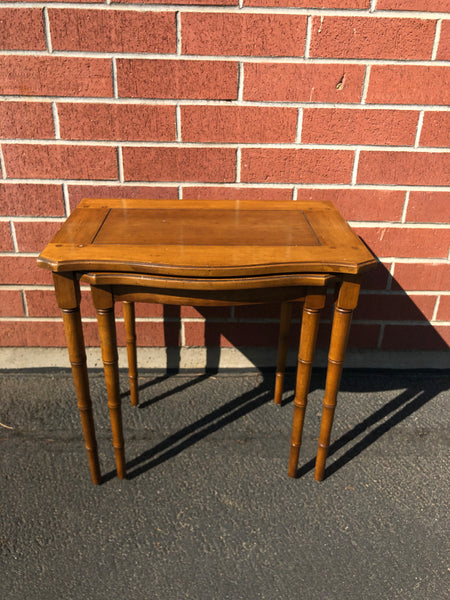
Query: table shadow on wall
{"type": "Point", "coordinates": [418, 390]}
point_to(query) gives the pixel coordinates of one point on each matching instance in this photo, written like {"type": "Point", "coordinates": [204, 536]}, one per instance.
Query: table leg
{"type": "Point", "coordinates": [314, 302]}
{"type": "Point", "coordinates": [67, 290]}
{"type": "Point", "coordinates": [344, 307]}
{"type": "Point", "coordinates": [104, 304]}
{"type": "Point", "coordinates": [130, 331]}
{"type": "Point", "coordinates": [285, 322]}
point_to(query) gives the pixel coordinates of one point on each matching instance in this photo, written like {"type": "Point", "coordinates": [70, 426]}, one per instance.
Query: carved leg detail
{"type": "Point", "coordinates": [314, 302]}
{"type": "Point", "coordinates": [347, 301]}
{"type": "Point", "coordinates": [68, 297]}
{"type": "Point", "coordinates": [285, 322]}
{"type": "Point", "coordinates": [130, 331]}
{"type": "Point", "coordinates": [104, 305]}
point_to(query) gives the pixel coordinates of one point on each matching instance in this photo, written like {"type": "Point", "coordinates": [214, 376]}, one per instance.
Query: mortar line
{"type": "Point", "coordinates": [365, 86]}
{"type": "Point", "coordinates": [2, 164]}
{"type": "Point", "coordinates": [405, 207]}
{"type": "Point", "coordinates": [238, 165]}
{"type": "Point", "coordinates": [308, 36]}
{"type": "Point", "coordinates": [355, 166]}
{"type": "Point", "coordinates": [298, 137]}
{"type": "Point", "coordinates": [24, 303]}
{"type": "Point", "coordinates": [120, 164]}
{"type": "Point", "coordinates": [436, 308]}
{"type": "Point", "coordinates": [13, 236]}
{"type": "Point", "coordinates": [114, 77]}
{"type": "Point", "coordinates": [137, 7]}
{"type": "Point", "coordinates": [56, 121]}
{"type": "Point", "coordinates": [437, 37]}
{"type": "Point", "coordinates": [47, 33]}
{"type": "Point", "coordinates": [65, 189]}
{"type": "Point", "coordinates": [419, 129]}
{"type": "Point", "coordinates": [218, 102]}
{"type": "Point", "coordinates": [240, 92]}
{"type": "Point", "coordinates": [178, 123]}
{"type": "Point", "coordinates": [178, 32]}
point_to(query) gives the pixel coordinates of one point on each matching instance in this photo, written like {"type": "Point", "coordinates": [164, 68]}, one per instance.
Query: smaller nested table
{"type": "Point", "coordinates": [206, 253]}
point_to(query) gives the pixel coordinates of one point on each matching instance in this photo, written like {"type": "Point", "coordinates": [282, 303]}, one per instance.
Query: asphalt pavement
{"type": "Point", "coordinates": [208, 511]}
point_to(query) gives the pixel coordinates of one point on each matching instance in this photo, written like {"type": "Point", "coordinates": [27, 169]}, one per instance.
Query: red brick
{"type": "Point", "coordinates": [6, 244]}
{"type": "Point", "coordinates": [60, 162]}
{"type": "Point", "coordinates": [443, 313]}
{"type": "Point", "coordinates": [407, 84]}
{"type": "Point", "coordinates": [11, 304]}
{"type": "Point", "coordinates": [240, 124]}
{"type": "Point", "coordinates": [421, 277]}
{"type": "Point", "coordinates": [179, 164]}
{"type": "Point", "coordinates": [201, 312]}
{"type": "Point", "coordinates": [415, 337]}
{"type": "Point", "coordinates": [310, 3]}
{"type": "Point", "coordinates": [21, 29]}
{"type": "Point", "coordinates": [422, 5]}
{"type": "Point", "coordinates": [42, 303]}
{"type": "Point", "coordinates": [23, 270]}
{"type": "Point", "coordinates": [408, 168]}
{"type": "Point", "coordinates": [31, 199]}
{"type": "Point", "coordinates": [269, 311]}
{"type": "Point", "coordinates": [363, 336]}
{"type": "Point", "coordinates": [243, 34]}
{"type": "Point", "coordinates": [388, 307]}
{"type": "Point", "coordinates": [116, 122]}
{"type": "Point", "coordinates": [200, 333]}
{"type": "Point", "coordinates": [236, 193]}
{"type": "Point", "coordinates": [368, 127]}
{"type": "Point", "coordinates": [416, 243]}
{"type": "Point", "coordinates": [443, 51]}
{"type": "Point", "coordinates": [378, 278]}
{"type": "Point", "coordinates": [197, 79]}
{"type": "Point", "coordinates": [32, 120]}
{"type": "Point", "coordinates": [55, 76]}
{"type": "Point", "coordinates": [435, 129]}
{"type": "Point", "coordinates": [296, 166]}
{"type": "Point", "coordinates": [302, 82]}
{"type": "Point", "coordinates": [368, 37]}
{"type": "Point", "coordinates": [361, 205]}
{"type": "Point", "coordinates": [34, 236]}
{"type": "Point", "coordinates": [112, 31]}
{"type": "Point", "coordinates": [78, 192]}
{"type": "Point", "coordinates": [428, 207]}
{"type": "Point", "coordinates": [32, 333]}
{"type": "Point", "coordinates": [185, 2]}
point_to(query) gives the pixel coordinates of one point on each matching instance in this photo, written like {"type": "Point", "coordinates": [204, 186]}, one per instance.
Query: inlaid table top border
{"type": "Point", "coordinates": [330, 247]}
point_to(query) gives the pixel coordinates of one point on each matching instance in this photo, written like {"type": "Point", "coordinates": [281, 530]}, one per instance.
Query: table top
{"type": "Point", "coordinates": [206, 238]}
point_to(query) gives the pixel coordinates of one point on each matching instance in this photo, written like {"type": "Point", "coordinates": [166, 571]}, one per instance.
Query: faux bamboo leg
{"type": "Point", "coordinates": [68, 297]}
{"type": "Point", "coordinates": [104, 304]}
{"type": "Point", "coordinates": [314, 302]}
{"type": "Point", "coordinates": [345, 304]}
{"type": "Point", "coordinates": [285, 322]}
{"type": "Point", "coordinates": [130, 332]}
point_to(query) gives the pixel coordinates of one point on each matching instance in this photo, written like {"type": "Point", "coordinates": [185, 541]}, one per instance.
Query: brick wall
{"type": "Point", "coordinates": [345, 100]}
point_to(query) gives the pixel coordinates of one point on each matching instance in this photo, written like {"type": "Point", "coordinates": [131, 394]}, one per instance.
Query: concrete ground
{"type": "Point", "coordinates": [208, 512]}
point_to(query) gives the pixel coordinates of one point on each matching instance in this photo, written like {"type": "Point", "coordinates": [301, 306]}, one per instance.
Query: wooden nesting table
{"type": "Point", "coordinates": [206, 253]}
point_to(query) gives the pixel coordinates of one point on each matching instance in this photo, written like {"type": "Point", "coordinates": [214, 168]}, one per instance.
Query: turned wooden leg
{"type": "Point", "coordinates": [104, 305]}
{"type": "Point", "coordinates": [285, 322]}
{"type": "Point", "coordinates": [130, 332]}
{"type": "Point", "coordinates": [68, 297]}
{"type": "Point", "coordinates": [314, 302]}
{"type": "Point", "coordinates": [343, 310]}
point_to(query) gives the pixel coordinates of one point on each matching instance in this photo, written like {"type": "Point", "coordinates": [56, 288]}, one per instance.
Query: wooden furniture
{"type": "Point", "coordinates": [206, 253]}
